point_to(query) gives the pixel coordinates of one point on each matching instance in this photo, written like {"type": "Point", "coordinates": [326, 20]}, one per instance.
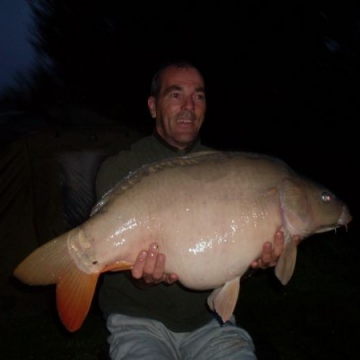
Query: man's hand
{"type": "Point", "coordinates": [270, 254]}
{"type": "Point", "coordinates": [149, 266]}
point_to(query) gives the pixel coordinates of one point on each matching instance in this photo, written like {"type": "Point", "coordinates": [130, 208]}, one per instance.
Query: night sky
{"type": "Point", "coordinates": [16, 52]}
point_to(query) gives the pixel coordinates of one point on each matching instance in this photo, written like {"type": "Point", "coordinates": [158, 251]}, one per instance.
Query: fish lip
{"type": "Point", "coordinates": [328, 228]}
{"type": "Point", "coordinates": [336, 226]}
{"type": "Point", "coordinates": [345, 217]}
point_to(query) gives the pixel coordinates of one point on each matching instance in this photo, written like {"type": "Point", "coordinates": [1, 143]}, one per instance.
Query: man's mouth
{"type": "Point", "coordinates": [186, 117]}
{"type": "Point", "coordinates": [184, 121]}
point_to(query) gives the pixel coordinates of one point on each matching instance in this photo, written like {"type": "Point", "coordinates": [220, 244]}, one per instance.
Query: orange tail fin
{"type": "Point", "coordinates": [45, 264]}
{"type": "Point", "coordinates": [74, 293]}
{"type": "Point", "coordinates": [52, 264]}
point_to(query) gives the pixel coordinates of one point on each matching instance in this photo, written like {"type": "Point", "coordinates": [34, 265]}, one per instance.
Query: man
{"type": "Point", "coordinates": [149, 314]}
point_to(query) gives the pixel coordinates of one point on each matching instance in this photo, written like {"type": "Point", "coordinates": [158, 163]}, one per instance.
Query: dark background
{"type": "Point", "coordinates": [281, 79]}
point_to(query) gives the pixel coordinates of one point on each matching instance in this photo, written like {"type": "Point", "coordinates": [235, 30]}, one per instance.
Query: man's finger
{"type": "Point", "coordinates": [278, 245]}
{"type": "Point", "coordinates": [138, 269]}
{"type": "Point", "coordinates": [150, 263]}
{"type": "Point", "coordinates": [158, 272]}
{"type": "Point", "coordinates": [171, 278]}
{"type": "Point", "coordinates": [267, 255]}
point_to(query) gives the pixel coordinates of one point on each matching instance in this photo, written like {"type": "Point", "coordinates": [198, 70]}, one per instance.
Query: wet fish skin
{"type": "Point", "coordinates": [210, 214]}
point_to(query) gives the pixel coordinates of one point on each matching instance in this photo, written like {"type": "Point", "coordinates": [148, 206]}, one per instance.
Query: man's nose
{"type": "Point", "coordinates": [189, 103]}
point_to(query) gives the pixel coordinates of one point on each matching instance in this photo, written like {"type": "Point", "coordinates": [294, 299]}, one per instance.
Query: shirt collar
{"type": "Point", "coordinates": [174, 148]}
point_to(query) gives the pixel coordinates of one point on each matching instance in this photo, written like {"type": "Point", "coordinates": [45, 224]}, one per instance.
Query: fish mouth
{"type": "Point", "coordinates": [343, 220]}
{"type": "Point", "coordinates": [345, 217]}
{"type": "Point", "coordinates": [328, 228]}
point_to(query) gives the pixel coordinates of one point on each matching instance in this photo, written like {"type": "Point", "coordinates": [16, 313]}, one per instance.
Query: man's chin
{"type": "Point", "coordinates": [186, 138]}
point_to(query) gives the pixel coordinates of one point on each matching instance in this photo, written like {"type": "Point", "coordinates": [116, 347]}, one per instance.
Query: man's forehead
{"type": "Point", "coordinates": [182, 77]}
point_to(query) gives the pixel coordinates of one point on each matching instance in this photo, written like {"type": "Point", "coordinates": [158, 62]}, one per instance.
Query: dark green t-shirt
{"type": "Point", "coordinates": [178, 308]}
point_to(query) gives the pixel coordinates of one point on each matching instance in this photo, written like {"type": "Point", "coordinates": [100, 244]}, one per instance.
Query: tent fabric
{"type": "Point", "coordinates": [47, 181]}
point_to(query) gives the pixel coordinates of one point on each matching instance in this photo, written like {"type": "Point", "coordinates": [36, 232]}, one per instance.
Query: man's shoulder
{"type": "Point", "coordinates": [139, 153]}
{"type": "Point", "coordinates": [127, 153]}
{"type": "Point", "coordinates": [145, 150]}
{"type": "Point", "coordinates": [142, 144]}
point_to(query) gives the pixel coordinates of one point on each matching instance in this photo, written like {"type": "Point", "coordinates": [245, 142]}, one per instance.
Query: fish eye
{"type": "Point", "coordinates": [326, 196]}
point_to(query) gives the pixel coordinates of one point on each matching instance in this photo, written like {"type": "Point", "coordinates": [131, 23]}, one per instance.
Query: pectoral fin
{"type": "Point", "coordinates": [223, 300]}
{"type": "Point", "coordinates": [286, 264]}
{"type": "Point", "coordinates": [118, 266]}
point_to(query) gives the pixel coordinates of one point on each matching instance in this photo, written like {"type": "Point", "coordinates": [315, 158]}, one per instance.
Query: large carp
{"type": "Point", "coordinates": [210, 213]}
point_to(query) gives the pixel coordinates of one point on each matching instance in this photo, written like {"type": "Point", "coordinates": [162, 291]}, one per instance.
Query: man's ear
{"type": "Point", "coordinates": [152, 106]}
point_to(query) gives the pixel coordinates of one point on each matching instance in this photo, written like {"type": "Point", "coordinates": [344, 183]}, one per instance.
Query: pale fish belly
{"type": "Point", "coordinates": [209, 247]}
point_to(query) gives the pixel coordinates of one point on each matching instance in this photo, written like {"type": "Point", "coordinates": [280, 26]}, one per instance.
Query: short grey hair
{"type": "Point", "coordinates": [156, 80]}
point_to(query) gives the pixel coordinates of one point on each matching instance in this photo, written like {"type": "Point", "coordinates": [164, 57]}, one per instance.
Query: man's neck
{"type": "Point", "coordinates": [176, 149]}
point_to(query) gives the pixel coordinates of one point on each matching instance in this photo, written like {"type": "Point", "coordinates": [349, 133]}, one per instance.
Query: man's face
{"type": "Point", "coordinates": [180, 108]}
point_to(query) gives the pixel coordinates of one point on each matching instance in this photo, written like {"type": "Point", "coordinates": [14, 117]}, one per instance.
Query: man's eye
{"type": "Point", "coordinates": [175, 95]}
{"type": "Point", "coordinates": [200, 97]}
